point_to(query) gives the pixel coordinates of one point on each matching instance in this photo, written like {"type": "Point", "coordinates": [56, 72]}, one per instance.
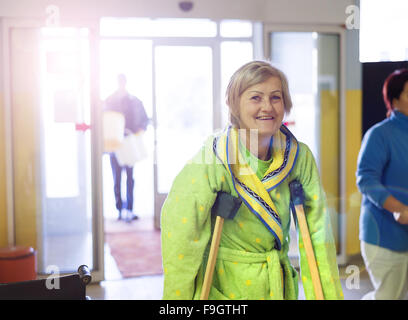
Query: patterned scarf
{"type": "Point", "coordinates": [253, 191]}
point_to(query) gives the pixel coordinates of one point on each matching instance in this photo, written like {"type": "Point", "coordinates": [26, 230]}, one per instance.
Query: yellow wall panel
{"type": "Point", "coordinates": [353, 143]}
{"type": "Point", "coordinates": [330, 165]}
{"type": "Point", "coordinates": [329, 153]}
{"type": "Point", "coordinates": [25, 108]}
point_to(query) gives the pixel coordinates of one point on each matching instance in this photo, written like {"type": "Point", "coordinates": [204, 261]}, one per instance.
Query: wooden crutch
{"type": "Point", "coordinates": [297, 199]}
{"type": "Point", "coordinates": [225, 207]}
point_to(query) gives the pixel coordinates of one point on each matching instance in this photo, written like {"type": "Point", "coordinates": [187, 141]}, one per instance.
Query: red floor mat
{"type": "Point", "coordinates": [136, 253]}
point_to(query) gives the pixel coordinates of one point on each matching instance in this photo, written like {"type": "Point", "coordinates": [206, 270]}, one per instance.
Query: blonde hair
{"type": "Point", "coordinates": [248, 75]}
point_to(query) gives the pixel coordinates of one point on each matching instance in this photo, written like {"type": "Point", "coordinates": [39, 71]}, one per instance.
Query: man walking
{"type": "Point", "coordinates": [135, 121]}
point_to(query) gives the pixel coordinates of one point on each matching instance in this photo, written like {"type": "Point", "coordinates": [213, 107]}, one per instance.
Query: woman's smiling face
{"type": "Point", "coordinates": [261, 107]}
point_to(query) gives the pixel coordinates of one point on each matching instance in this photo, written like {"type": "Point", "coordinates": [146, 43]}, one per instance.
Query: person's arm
{"type": "Point", "coordinates": [399, 209]}
{"type": "Point", "coordinates": [186, 229]}
{"type": "Point", "coordinates": [372, 160]}
{"type": "Point", "coordinates": [140, 119]}
{"type": "Point", "coordinates": [318, 220]}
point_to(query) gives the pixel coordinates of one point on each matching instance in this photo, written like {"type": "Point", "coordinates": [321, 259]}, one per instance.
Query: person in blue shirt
{"type": "Point", "coordinates": [382, 178]}
{"type": "Point", "coordinates": [135, 120]}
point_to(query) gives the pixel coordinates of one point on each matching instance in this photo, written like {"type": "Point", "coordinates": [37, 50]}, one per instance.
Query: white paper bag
{"type": "Point", "coordinates": [113, 128]}
{"type": "Point", "coordinates": [131, 150]}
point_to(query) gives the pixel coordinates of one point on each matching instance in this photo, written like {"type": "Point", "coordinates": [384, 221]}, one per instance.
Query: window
{"type": "Point", "coordinates": [383, 28]}
{"type": "Point", "coordinates": [184, 65]}
{"type": "Point", "coordinates": [146, 27]}
{"type": "Point", "coordinates": [233, 55]}
{"type": "Point", "coordinates": [235, 28]}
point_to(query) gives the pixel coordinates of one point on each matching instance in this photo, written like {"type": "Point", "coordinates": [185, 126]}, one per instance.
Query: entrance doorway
{"type": "Point", "coordinates": [179, 68]}
{"type": "Point", "coordinates": [132, 58]}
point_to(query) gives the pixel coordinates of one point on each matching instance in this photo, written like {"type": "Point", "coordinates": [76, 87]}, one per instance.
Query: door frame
{"type": "Point", "coordinates": [96, 143]}
{"type": "Point", "coordinates": [212, 43]}
{"type": "Point", "coordinates": [215, 44]}
{"type": "Point", "coordinates": [341, 32]}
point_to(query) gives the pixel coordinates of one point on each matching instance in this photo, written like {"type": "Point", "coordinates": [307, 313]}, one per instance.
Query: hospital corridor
{"type": "Point", "coordinates": [148, 150]}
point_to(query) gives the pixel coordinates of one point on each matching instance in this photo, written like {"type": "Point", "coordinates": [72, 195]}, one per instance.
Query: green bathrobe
{"type": "Point", "coordinates": [248, 265]}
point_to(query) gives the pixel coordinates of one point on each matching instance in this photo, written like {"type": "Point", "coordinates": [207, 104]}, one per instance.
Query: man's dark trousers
{"type": "Point", "coordinates": [117, 175]}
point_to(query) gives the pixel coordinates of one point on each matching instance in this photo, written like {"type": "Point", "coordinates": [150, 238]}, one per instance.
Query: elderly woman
{"type": "Point", "coordinates": [254, 158]}
{"type": "Point", "coordinates": [382, 177]}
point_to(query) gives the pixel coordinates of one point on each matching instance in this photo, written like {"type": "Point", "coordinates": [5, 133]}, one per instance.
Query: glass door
{"type": "Point", "coordinates": [70, 153]}
{"type": "Point", "coordinates": [183, 115]}
{"type": "Point", "coordinates": [311, 61]}
{"type": "Point", "coordinates": [132, 57]}
{"type": "Point", "coordinates": [191, 63]}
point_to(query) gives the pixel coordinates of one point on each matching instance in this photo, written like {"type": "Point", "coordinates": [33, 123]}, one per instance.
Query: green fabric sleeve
{"type": "Point", "coordinates": [186, 223]}
{"type": "Point", "coordinates": [318, 221]}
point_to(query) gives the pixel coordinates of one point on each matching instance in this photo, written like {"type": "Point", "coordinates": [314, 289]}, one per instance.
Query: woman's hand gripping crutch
{"type": "Point", "coordinates": [225, 207]}
{"type": "Point", "coordinates": [297, 198]}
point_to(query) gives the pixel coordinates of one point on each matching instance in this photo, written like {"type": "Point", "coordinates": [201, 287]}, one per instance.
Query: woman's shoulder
{"type": "Point", "coordinates": [378, 133]}
{"type": "Point", "coordinates": [304, 150]}
{"type": "Point", "coordinates": [205, 154]}
{"type": "Point", "coordinates": [380, 127]}
{"type": "Point", "coordinates": [304, 158]}
{"type": "Point", "coordinates": [204, 163]}
{"type": "Point", "coordinates": [305, 167]}
{"type": "Point", "coordinates": [210, 142]}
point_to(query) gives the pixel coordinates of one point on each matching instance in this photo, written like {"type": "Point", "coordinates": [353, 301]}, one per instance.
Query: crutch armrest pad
{"type": "Point", "coordinates": [226, 205]}
{"type": "Point", "coordinates": [296, 192]}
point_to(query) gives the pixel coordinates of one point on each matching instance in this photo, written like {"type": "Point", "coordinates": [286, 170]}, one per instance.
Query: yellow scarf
{"type": "Point", "coordinates": [253, 191]}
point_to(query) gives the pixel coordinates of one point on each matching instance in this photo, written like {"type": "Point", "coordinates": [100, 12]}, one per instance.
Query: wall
{"type": "Point", "coordinates": [25, 110]}
{"type": "Point", "coordinates": [353, 138]}
{"type": "Point", "coordinates": [281, 11]}
{"type": "Point", "coordinates": [306, 12]}
{"type": "Point", "coordinates": [3, 203]}
{"type": "Point", "coordinates": [328, 88]}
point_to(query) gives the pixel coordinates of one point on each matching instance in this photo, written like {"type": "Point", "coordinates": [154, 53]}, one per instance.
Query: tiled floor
{"type": "Point", "coordinates": [151, 287]}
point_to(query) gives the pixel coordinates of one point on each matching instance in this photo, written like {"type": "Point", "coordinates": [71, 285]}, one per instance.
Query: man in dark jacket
{"type": "Point", "coordinates": [135, 120]}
